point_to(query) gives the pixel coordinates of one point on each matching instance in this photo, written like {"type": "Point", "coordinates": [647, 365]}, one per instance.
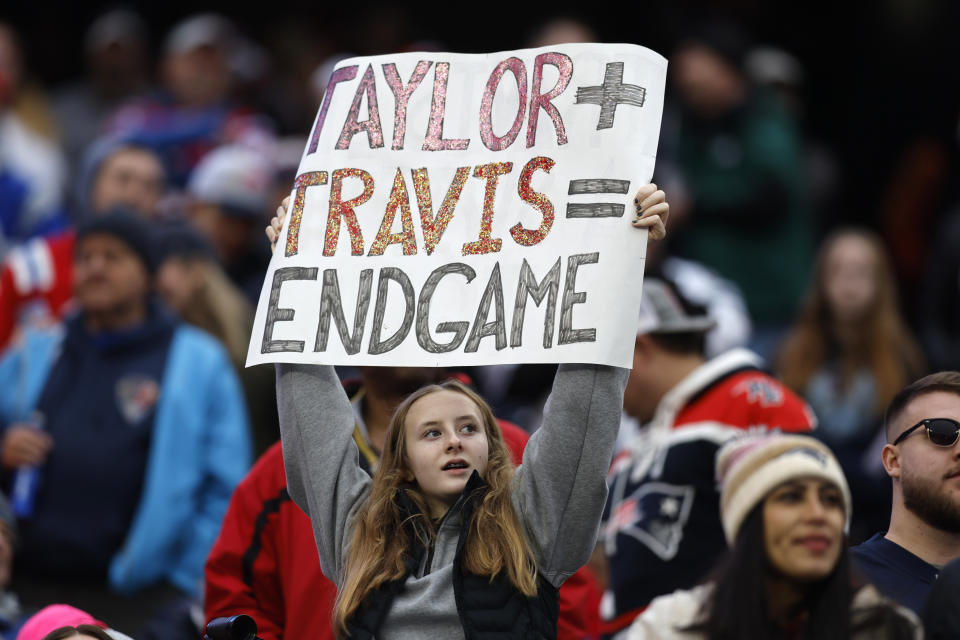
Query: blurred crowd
{"type": "Point", "coordinates": [132, 206]}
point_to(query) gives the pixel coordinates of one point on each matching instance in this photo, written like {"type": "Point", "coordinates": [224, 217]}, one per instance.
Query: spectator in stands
{"type": "Point", "coordinates": [848, 354]}
{"type": "Point", "coordinates": [80, 632]}
{"type": "Point", "coordinates": [194, 113]}
{"type": "Point", "coordinates": [228, 204]}
{"type": "Point", "coordinates": [257, 565]}
{"type": "Point", "coordinates": [192, 283]}
{"type": "Point", "coordinates": [939, 316]}
{"type": "Point", "coordinates": [662, 528]}
{"type": "Point", "coordinates": [738, 155]}
{"type": "Point", "coordinates": [941, 613]}
{"type": "Point", "coordinates": [63, 621]}
{"type": "Point", "coordinates": [923, 461]}
{"type": "Point", "coordinates": [36, 281]}
{"type": "Point", "coordinates": [145, 436]}
{"type": "Point", "coordinates": [115, 48]}
{"type": "Point", "coordinates": [32, 167]}
{"type": "Point", "coordinates": [265, 561]}
{"type": "Point", "coordinates": [785, 506]}
{"type": "Point", "coordinates": [10, 610]}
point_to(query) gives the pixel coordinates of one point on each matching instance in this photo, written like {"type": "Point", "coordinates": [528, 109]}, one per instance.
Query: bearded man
{"type": "Point", "coordinates": [923, 460]}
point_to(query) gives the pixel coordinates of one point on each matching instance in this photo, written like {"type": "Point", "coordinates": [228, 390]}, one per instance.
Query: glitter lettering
{"type": "Point", "coordinates": [542, 100]}
{"type": "Point", "coordinates": [485, 243]}
{"type": "Point", "coordinates": [340, 75]}
{"type": "Point", "coordinates": [538, 201]}
{"type": "Point", "coordinates": [398, 200]}
{"type": "Point", "coordinates": [339, 208]}
{"type": "Point", "coordinates": [401, 94]}
{"type": "Point", "coordinates": [433, 228]}
{"type": "Point", "coordinates": [371, 125]}
{"type": "Point", "coordinates": [438, 106]}
{"type": "Point", "coordinates": [487, 136]}
{"type": "Point", "coordinates": [304, 180]}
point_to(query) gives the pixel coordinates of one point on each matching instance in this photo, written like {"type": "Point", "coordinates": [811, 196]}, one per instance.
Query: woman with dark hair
{"type": "Point", "coordinates": [785, 508]}
{"type": "Point", "coordinates": [80, 632]}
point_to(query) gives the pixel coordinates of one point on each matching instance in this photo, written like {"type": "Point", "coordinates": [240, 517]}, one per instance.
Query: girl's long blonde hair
{"type": "Point", "coordinates": [882, 344]}
{"type": "Point", "coordinates": [496, 541]}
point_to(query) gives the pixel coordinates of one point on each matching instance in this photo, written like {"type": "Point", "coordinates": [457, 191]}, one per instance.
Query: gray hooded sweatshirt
{"type": "Point", "coordinates": [558, 492]}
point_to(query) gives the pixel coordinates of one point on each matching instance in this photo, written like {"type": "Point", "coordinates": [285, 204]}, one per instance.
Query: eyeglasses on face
{"type": "Point", "coordinates": [942, 432]}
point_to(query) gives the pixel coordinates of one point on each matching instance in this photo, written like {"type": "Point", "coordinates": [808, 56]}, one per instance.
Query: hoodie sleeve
{"type": "Point", "coordinates": [324, 476]}
{"type": "Point", "coordinates": [560, 489]}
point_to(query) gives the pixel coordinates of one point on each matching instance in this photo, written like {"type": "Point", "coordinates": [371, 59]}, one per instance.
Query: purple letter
{"type": "Point", "coordinates": [401, 94]}
{"type": "Point", "coordinates": [537, 100]}
{"type": "Point", "coordinates": [438, 105]}
{"type": "Point", "coordinates": [340, 75]}
{"type": "Point", "coordinates": [371, 125]}
{"type": "Point", "coordinates": [490, 140]}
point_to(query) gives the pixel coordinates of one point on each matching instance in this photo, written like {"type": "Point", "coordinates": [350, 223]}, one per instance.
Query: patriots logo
{"type": "Point", "coordinates": [655, 515]}
{"type": "Point", "coordinates": [136, 395]}
{"type": "Point", "coordinates": [759, 390]}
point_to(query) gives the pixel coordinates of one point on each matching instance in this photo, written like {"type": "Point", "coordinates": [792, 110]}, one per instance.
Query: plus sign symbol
{"type": "Point", "coordinates": [610, 94]}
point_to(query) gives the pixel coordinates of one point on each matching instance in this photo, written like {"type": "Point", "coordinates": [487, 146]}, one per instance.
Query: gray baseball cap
{"type": "Point", "coordinates": [662, 311]}
{"type": "Point", "coordinates": [234, 177]}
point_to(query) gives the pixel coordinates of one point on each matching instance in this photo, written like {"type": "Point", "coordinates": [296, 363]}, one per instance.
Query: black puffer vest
{"type": "Point", "coordinates": [488, 610]}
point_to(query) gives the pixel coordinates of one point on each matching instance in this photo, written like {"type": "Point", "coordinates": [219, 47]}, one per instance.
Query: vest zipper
{"type": "Point", "coordinates": [428, 567]}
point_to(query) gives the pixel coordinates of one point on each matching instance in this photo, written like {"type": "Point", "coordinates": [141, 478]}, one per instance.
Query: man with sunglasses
{"type": "Point", "coordinates": [923, 461]}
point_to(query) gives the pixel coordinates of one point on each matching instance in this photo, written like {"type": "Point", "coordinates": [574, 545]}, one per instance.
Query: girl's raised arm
{"type": "Point", "coordinates": [321, 459]}
{"type": "Point", "coordinates": [324, 476]}
{"type": "Point", "coordinates": [561, 488]}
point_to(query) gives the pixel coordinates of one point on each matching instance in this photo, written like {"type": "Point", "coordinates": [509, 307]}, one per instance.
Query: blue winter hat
{"type": "Point", "coordinates": [128, 227]}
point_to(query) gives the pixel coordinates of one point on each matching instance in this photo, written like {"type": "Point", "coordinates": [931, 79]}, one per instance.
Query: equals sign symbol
{"type": "Point", "coordinates": [596, 186]}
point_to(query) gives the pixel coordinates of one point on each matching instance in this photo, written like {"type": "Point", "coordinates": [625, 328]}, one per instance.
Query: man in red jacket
{"type": "Point", "coordinates": [265, 563]}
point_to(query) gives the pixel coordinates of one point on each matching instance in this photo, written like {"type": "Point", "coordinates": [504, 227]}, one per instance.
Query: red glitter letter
{"type": "Point", "coordinates": [398, 199]}
{"type": "Point", "coordinates": [438, 106]}
{"type": "Point", "coordinates": [537, 100]}
{"type": "Point", "coordinates": [340, 75]}
{"type": "Point", "coordinates": [491, 173]}
{"type": "Point", "coordinates": [303, 181]}
{"type": "Point", "coordinates": [401, 94]}
{"type": "Point", "coordinates": [490, 140]}
{"type": "Point", "coordinates": [538, 201]}
{"type": "Point", "coordinates": [433, 228]}
{"type": "Point", "coordinates": [351, 127]}
{"type": "Point", "coordinates": [340, 208]}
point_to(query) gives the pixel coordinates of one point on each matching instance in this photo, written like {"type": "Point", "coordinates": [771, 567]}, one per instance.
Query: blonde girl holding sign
{"type": "Point", "coordinates": [448, 540]}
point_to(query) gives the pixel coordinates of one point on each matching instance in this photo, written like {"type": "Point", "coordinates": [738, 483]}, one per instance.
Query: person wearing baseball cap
{"type": "Point", "coordinates": [785, 510]}
{"type": "Point", "coordinates": [228, 205]}
{"type": "Point", "coordinates": [662, 527]}
{"type": "Point", "coordinates": [122, 411]}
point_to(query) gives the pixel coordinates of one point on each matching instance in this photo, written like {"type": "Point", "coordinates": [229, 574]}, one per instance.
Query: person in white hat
{"type": "Point", "coordinates": [785, 509]}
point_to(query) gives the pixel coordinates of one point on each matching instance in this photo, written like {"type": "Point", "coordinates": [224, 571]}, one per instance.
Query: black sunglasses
{"type": "Point", "coordinates": [942, 432]}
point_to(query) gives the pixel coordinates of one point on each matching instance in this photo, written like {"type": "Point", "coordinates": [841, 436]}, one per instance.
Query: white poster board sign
{"type": "Point", "coordinates": [454, 209]}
